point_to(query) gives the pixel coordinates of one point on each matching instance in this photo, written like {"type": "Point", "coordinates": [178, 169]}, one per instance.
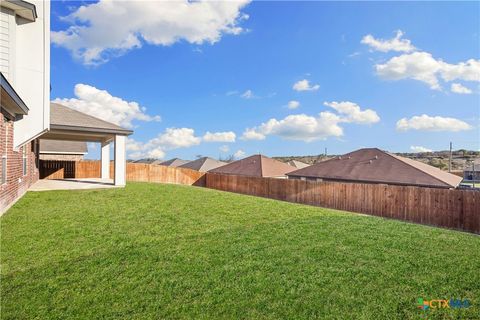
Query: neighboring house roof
{"type": "Point", "coordinates": [62, 117]}
{"type": "Point", "coordinates": [148, 161]}
{"type": "Point", "coordinates": [256, 166]}
{"type": "Point", "coordinates": [175, 162]}
{"type": "Point", "coordinates": [376, 166]}
{"type": "Point", "coordinates": [203, 164]}
{"type": "Point", "coordinates": [63, 147]}
{"type": "Point", "coordinates": [298, 164]}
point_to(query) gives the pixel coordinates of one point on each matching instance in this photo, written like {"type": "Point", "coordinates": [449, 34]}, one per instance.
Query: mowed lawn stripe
{"type": "Point", "coordinates": [153, 251]}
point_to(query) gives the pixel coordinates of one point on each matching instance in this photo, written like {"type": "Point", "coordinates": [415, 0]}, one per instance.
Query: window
{"type": "Point", "coordinates": [24, 160]}
{"type": "Point", "coordinates": [3, 178]}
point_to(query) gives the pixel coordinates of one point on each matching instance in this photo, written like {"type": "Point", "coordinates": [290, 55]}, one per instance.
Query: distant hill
{"type": "Point", "coordinates": [460, 158]}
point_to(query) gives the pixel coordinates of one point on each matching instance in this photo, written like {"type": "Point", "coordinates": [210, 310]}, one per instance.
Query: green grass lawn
{"type": "Point", "coordinates": [153, 251]}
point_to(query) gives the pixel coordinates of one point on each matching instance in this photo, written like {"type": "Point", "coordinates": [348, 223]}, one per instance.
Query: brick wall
{"type": "Point", "coordinates": [16, 183]}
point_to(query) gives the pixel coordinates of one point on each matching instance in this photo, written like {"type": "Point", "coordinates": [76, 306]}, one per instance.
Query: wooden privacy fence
{"type": "Point", "coordinates": [53, 169]}
{"type": "Point", "coordinates": [61, 169]}
{"type": "Point", "coordinates": [163, 174]}
{"type": "Point", "coordinates": [456, 209]}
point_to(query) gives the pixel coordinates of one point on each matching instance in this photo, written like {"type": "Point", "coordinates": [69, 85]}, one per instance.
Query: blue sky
{"type": "Point", "coordinates": [199, 85]}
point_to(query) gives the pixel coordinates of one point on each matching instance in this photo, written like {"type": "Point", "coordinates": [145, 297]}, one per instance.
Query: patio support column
{"type": "Point", "coordinates": [120, 160]}
{"type": "Point", "coordinates": [105, 160]}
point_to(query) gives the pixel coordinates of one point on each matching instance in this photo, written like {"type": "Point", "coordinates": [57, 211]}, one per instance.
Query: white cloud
{"type": "Point", "coordinates": [394, 44]}
{"type": "Point", "coordinates": [298, 127]}
{"type": "Point", "coordinates": [420, 66]}
{"type": "Point", "coordinates": [106, 29]}
{"type": "Point", "coordinates": [228, 136]}
{"type": "Point", "coordinates": [174, 138]}
{"type": "Point", "coordinates": [225, 148]}
{"type": "Point", "coordinates": [420, 149]}
{"type": "Point", "coordinates": [239, 154]}
{"type": "Point", "coordinates": [432, 123]}
{"type": "Point", "coordinates": [458, 88]}
{"type": "Point", "coordinates": [304, 85]}
{"type": "Point", "coordinates": [170, 139]}
{"type": "Point", "coordinates": [156, 153]}
{"type": "Point", "coordinates": [467, 71]}
{"type": "Point", "coordinates": [103, 105]}
{"type": "Point", "coordinates": [252, 134]}
{"type": "Point", "coordinates": [309, 128]}
{"type": "Point", "coordinates": [248, 94]}
{"type": "Point", "coordinates": [231, 93]}
{"type": "Point", "coordinates": [133, 145]}
{"type": "Point", "coordinates": [137, 150]}
{"type": "Point", "coordinates": [353, 112]}
{"type": "Point", "coordinates": [423, 67]}
{"type": "Point", "coordinates": [293, 104]}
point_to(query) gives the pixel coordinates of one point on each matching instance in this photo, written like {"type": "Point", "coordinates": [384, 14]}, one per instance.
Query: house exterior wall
{"type": "Point", "coordinates": [25, 63]}
{"type": "Point", "coordinates": [16, 182]}
{"type": "Point", "coordinates": [7, 40]}
{"type": "Point", "coordinates": [472, 176]}
{"type": "Point", "coordinates": [30, 72]}
{"type": "Point", "coordinates": [62, 157]}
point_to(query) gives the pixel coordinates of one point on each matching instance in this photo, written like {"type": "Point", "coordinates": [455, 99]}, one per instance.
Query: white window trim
{"type": "Point", "coordinates": [24, 161]}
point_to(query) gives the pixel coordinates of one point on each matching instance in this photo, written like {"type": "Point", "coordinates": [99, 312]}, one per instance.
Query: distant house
{"type": "Point", "coordinates": [298, 164]}
{"type": "Point", "coordinates": [203, 164]}
{"type": "Point", "coordinates": [175, 162]}
{"type": "Point", "coordinates": [62, 150]}
{"type": "Point", "coordinates": [147, 161]}
{"type": "Point", "coordinates": [372, 165]}
{"type": "Point", "coordinates": [256, 166]}
{"type": "Point", "coordinates": [472, 173]}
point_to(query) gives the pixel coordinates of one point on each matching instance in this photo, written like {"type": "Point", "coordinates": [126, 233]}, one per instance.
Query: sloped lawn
{"type": "Point", "coordinates": [153, 251]}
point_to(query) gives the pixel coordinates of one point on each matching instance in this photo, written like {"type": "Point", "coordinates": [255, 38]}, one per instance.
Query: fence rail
{"type": "Point", "coordinates": [456, 209]}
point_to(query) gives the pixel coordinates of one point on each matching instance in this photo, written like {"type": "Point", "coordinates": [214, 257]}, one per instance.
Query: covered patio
{"type": "Point", "coordinates": [71, 125]}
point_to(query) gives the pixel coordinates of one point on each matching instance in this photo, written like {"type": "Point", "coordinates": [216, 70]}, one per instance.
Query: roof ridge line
{"type": "Point", "coordinates": [428, 174]}
{"type": "Point", "coordinates": [261, 164]}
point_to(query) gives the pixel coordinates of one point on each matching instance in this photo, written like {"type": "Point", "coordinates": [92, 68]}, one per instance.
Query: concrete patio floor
{"type": "Point", "coordinates": [72, 184]}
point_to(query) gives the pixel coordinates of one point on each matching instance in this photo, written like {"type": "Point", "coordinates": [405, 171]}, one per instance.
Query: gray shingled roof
{"type": "Point", "coordinates": [62, 146]}
{"type": "Point", "coordinates": [255, 166]}
{"type": "Point", "coordinates": [175, 162]}
{"type": "Point", "coordinates": [203, 164]}
{"type": "Point", "coordinates": [62, 117]}
{"type": "Point", "coordinates": [373, 165]}
{"type": "Point", "coordinates": [298, 164]}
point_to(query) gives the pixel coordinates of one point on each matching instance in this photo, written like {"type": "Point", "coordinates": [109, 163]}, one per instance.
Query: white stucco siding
{"type": "Point", "coordinates": [32, 73]}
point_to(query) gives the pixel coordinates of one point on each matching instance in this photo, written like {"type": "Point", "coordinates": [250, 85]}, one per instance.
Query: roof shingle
{"type": "Point", "coordinates": [376, 166]}
{"type": "Point", "coordinates": [203, 164]}
{"type": "Point", "coordinates": [255, 166]}
{"type": "Point", "coordinates": [64, 117]}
